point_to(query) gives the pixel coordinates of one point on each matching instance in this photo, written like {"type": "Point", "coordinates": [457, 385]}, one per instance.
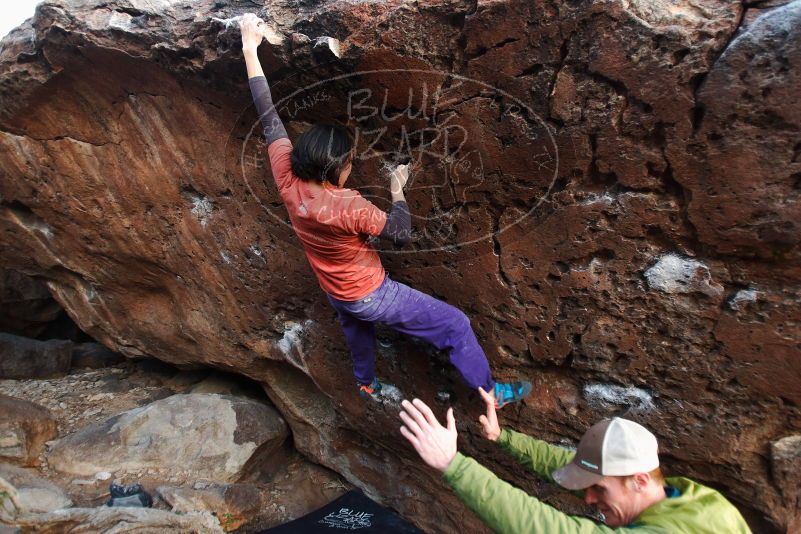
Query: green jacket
{"type": "Point", "coordinates": [508, 510]}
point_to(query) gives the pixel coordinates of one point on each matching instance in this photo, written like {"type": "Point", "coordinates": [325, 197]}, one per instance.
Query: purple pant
{"type": "Point", "coordinates": [409, 311]}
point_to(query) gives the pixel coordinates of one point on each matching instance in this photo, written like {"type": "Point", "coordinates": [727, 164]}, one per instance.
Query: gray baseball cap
{"type": "Point", "coordinates": [612, 447]}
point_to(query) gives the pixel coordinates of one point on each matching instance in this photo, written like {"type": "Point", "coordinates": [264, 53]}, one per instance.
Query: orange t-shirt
{"type": "Point", "coordinates": [333, 225]}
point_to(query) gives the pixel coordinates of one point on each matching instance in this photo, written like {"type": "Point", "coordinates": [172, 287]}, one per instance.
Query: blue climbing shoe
{"type": "Point", "coordinates": [507, 393]}
{"type": "Point", "coordinates": [370, 391]}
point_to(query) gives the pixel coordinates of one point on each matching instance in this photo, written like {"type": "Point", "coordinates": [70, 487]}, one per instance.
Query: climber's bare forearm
{"type": "Point", "coordinates": [252, 36]}
{"type": "Point", "coordinates": [252, 62]}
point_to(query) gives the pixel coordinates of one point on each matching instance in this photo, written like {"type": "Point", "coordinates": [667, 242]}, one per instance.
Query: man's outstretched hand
{"type": "Point", "coordinates": [435, 443]}
{"type": "Point", "coordinates": [489, 422]}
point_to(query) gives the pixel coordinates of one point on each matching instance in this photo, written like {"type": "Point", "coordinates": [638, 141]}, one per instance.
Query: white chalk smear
{"type": "Point", "coordinates": [229, 21]}
{"type": "Point", "coordinates": [742, 297]}
{"type": "Point", "coordinates": [675, 274]}
{"type": "Point", "coordinates": [43, 229]}
{"type": "Point", "coordinates": [90, 294]}
{"type": "Point", "coordinates": [257, 251]}
{"type": "Point", "coordinates": [390, 394]}
{"type": "Point", "coordinates": [202, 208]}
{"type": "Point", "coordinates": [120, 21]}
{"type": "Point", "coordinates": [269, 33]}
{"type": "Point", "coordinates": [293, 338]}
{"type": "Point", "coordinates": [329, 42]}
{"type": "Point", "coordinates": [610, 395]}
{"type": "Point", "coordinates": [593, 198]}
{"type": "Point", "coordinates": [30, 224]}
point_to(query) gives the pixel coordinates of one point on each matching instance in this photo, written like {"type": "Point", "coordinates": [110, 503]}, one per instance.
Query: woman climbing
{"type": "Point", "coordinates": [333, 224]}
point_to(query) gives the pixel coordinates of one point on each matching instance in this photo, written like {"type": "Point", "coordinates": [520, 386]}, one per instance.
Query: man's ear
{"type": "Point", "coordinates": [641, 481]}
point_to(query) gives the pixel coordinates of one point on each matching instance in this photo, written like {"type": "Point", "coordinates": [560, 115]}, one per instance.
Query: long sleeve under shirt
{"type": "Point", "coordinates": [696, 509]}
{"type": "Point", "coordinates": [398, 226]}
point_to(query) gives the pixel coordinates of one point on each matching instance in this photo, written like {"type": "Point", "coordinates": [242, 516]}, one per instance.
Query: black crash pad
{"type": "Point", "coordinates": [353, 512]}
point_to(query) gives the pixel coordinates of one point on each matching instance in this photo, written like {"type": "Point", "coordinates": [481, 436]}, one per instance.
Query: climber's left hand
{"type": "Point", "coordinates": [252, 33]}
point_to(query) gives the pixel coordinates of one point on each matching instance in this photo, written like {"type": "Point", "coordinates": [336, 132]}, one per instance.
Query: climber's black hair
{"type": "Point", "coordinates": [321, 153]}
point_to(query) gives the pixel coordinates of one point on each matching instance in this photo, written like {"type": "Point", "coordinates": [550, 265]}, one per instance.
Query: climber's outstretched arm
{"type": "Point", "coordinates": [252, 35]}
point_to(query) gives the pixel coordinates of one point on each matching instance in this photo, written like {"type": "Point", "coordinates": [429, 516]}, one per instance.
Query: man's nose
{"type": "Point", "coordinates": [589, 497]}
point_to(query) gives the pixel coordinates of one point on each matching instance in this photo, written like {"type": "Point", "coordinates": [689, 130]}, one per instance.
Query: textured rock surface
{"type": "Point", "coordinates": [661, 132]}
{"type": "Point", "coordinates": [31, 493]}
{"type": "Point", "coordinates": [210, 436]}
{"type": "Point", "coordinates": [118, 521]}
{"type": "Point", "coordinates": [296, 489]}
{"type": "Point", "coordinates": [785, 455]}
{"type": "Point", "coordinates": [231, 502]}
{"type": "Point", "coordinates": [24, 429]}
{"type": "Point", "coordinates": [22, 357]}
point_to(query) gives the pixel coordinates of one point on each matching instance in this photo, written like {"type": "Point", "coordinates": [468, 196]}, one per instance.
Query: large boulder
{"type": "Point", "coordinates": [199, 435]}
{"type": "Point", "coordinates": [610, 192]}
{"type": "Point", "coordinates": [24, 429]}
{"type": "Point", "coordinates": [22, 357]}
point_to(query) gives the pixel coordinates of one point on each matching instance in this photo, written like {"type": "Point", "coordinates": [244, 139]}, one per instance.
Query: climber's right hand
{"type": "Point", "coordinates": [252, 33]}
{"type": "Point", "coordinates": [398, 178]}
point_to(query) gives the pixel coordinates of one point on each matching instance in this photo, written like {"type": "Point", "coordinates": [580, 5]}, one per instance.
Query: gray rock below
{"type": "Point", "coordinates": [208, 436]}
{"type": "Point", "coordinates": [27, 492]}
{"type": "Point", "coordinates": [105, 520]}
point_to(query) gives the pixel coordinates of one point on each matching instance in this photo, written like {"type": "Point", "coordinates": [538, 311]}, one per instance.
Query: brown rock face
{"type": "Point", "coordinates": [610, 190]}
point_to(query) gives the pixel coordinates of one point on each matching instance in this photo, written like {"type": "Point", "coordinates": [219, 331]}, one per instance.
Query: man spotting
{"type": "Point", "coordinates": [616, 466]}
